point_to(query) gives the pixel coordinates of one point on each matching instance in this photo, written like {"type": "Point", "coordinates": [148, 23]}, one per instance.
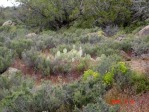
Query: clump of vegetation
{"type": "Point", "coordinates": [6, 58]}
{"type": "Point", "coordinates": [75, 38]}
{"type": "Point", "coordinates": [141, 45]}
{"type": "Point", "coordinates": [90, 73]}
{"type": "Point", "coordinates": [108, 78]}
{"type": "Point", "coordinates": [106, 62]}
{"type": "Point", "coordinates": [21, 95]}
{"type": "Point", "coordinates": [20, 45]}
{"type": "Point", "coordinates": [140, 83]}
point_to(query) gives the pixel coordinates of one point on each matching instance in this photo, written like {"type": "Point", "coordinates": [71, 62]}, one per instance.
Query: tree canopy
{"type": "Point", "coordinates": [55, 14]}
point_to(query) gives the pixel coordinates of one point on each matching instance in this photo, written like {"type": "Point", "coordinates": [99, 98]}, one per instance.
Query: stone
{"type": "Point", "coordinates": [12, 70]}
{"type": "Point", "coordinates": [8, 23]}
{"type": "Point", "coordinates": [30, 35]}
{"type": "Point", "coordinates": [144, 31]}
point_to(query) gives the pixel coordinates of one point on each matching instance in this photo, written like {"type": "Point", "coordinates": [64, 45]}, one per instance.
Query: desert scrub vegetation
{"type": "Point", "coordinates": [62, 63]}
{"type": "Point", "coordinates": [82, 40]}
{"type": "Point", "coordinates": [6, 58]}
{"type": "Point", "coordinates": [90, 73]}
{"type": "Point", "coordinates": [33, 59]}
{"type": "Point", "coordinates": [141, 45]}
{"type": "Point", "coordinates": [20, 45]}
{"type": "Point", "coordinates": [83, 95]}
{"type": "Point", "coordinates": [22, 95]}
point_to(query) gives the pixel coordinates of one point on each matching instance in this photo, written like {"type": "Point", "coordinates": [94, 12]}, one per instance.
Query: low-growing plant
{"type": "Point", "coordinates": [83, 65]}
{"type": "Point", "coordinates": [33, 59]}
{"type": "Point", "coordinates": [126, 45]}
{"type": "Point", "coordinates": [122, 74]}
{"type": "Point", "coordinates": [120, 67]}
{"type": "Point", "coordinates": [44, 66]}
{"type": "Point", "coordinates": [111, 30]}
{"type": "Point", "coordinates": [20, 45]}
{"type": "Point", "coordinates": [60, 67]}
{"type": "Point", "coordinates": [108, 47]}
{"type": "Point", "coordinates": [90, 49]}
{"type": "Point", "coordinates": [106, 62]}
{"type": "Point", "coordinates": [141, 45]}
{"type": "Point", "coordinates": [108, 78]}
{"type": "Point", "coordinates": [100, 106]}
{"type": "Point", "coordinates": [10, 83]}
{"type": "Point", "coordinates": [24, 96]}
{"type": "Point", "coordinates": [90, 73]}
{"type": "Point", "coordinates": [119, 74]}
{"type": "Point", "coordinates": [140, 83]}
{"type": "Point", "coordinates": [6, 58]}
{"type": "Point", "coordinates": [30, 57]}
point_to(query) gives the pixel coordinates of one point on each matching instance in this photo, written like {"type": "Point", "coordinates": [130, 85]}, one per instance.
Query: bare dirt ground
{"type": "Point", "coordinates": [141, 104]}
{"type": "Point", "coordinates": [139, 65]}
{"type": "Point", "coordinates": [128, 103]}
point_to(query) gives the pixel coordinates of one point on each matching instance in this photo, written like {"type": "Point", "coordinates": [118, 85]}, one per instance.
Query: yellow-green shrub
{"type": "Point", "coordinates": [120, 67]}
{"type": "Point", "coordinates": [90, 73]}
{"type": "Point", "coordinates": [108, 78]}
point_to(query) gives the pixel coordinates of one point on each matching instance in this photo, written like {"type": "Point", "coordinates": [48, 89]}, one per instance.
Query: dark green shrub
{"type": "Point", "coordinates": [15, 93]}
{"type": "Point", "coordinates": [138, 13]}
{"type": "Point", "coordinates": [141, 45]}
{"type": "Point", "coordinates": [5, 28]}
{"type": "Point", "coordinates": [140, 83]}
{"type": "Point", "coordinates": [44, 42]}
{"type": "Point", "coordinates": [119, 74]}
{"type": "Point", "coordinates": [91, 38]}
{"type": "Point", "coordinates": [33, 59]}
{"type": "Point", "coordinates": [6, 58]}
{"type": "Point", "coordinates": [106, 63]}
{"type": "Point", "coordinates": [30, 57]}
{"type": "Point", "coordinates": [111, 30]}
{"type": "Point", "coordinates": [83, 65]}
{"type": "Point", "coordinates": [126, 45]}
{"type": "Point", "coordinates": [1, 44]}
{"type": "Point", "coordinates": [60, 67]}
{"type": "Point", "coordinates": [18, 93]}
{"type": "Point", "coordinates": [122, 74]}
{"type": "Point", "coordinates": [87, 91]}
{"type": "Point", "coordinates": [10, 83]}
{"type": "Point", "coordinates": [100, 106]}
{"type": "Point", "coordinates": [50, 98]}
{"type": "Point", "coordinates": [20, 45]}
{"type": "Point", "coordinates": [43, 65]}
{"type": "Point", "coordinates": [90, 49]}
{"type": "Point", "coordinates": [108, 47]}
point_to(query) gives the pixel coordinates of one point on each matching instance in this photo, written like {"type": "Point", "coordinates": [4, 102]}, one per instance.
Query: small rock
{"type": "Point", "coordinates": [30, 35]}
{"type": "Point", "coordinates": [8, 23]}
{"type": "Point", "coordinates": [12, 70]}
{"type": "Point", "coordinates": [144, 31]}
